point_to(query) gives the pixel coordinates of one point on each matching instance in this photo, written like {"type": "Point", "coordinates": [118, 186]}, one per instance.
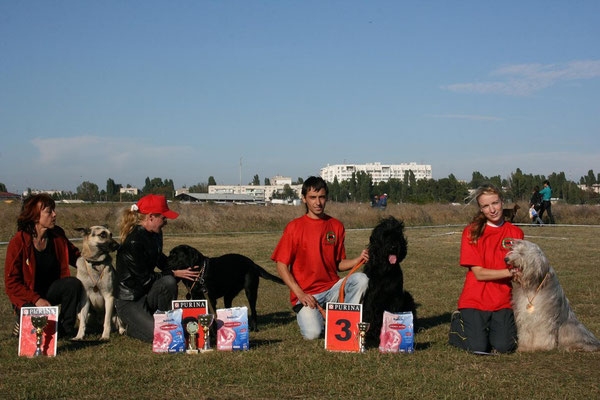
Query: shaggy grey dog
{"type": "Point", "coordinates": [543, 316]}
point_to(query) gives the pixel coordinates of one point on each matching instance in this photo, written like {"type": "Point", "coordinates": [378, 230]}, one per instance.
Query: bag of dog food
{"type": "Point", "coordinates": [232, 329]}
{"type": "Point", "coordinates": [397, 333]}
{"type": "Point", "coordinates": [168, 334]}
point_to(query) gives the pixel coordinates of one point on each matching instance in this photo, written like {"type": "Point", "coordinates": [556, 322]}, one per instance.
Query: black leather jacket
{"type": "Point", "coordinates": [136, 260]}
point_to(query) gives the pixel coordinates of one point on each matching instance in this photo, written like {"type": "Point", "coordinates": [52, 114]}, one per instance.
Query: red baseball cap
{"type": "Point", "coordinates": [155, 204]}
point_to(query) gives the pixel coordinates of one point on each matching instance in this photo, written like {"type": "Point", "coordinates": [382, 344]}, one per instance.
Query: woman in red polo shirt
{"type": "Point", "coordinates": [484, 321]}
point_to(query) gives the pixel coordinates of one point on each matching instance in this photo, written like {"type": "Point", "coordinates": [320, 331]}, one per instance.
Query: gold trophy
{"type": "Point", "coordinates": [206, 321]}
{"type": "Point", "coordinates": [39, 323]}
{"type": "Point", "coordinates": [192, 330]}
{"type": "Point", "coordinates": [363, 327]}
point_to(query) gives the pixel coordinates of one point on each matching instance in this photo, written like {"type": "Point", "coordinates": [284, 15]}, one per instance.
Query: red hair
{"type": "Point", "coordinates": [30, 211]}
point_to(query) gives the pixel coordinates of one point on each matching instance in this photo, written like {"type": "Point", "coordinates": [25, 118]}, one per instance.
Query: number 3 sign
{"type": "Point", "coordinates": [341, 330]}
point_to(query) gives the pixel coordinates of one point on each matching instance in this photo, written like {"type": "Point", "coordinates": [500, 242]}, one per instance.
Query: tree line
{"type": "Point", "coordinates": [517, 187]}
{"type": "Point", "coordinates": [360, 188]}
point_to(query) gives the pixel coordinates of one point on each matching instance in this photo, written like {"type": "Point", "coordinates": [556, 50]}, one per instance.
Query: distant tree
{"type": "Point", "coordinates": [289, 193]}
{"type": "Point", "coordinates": [364, 187]}
{"type": "Point", "coordinates": [3, 187]}
{"type": "Point", "coordinates": [477, 179]}
{"type": "Point", "coordinates": [334, 190]}
{"type": "Point", "coordinates": [498, 182]}
{"type": "Point", "coordinates": [211, 181]}
{"type": "Point", "coordinates": [88, 191]}
{"type": "Point", "coordinates": [158, 186]}
{"type": "Point", "coordinates": [518, 185]}
{"type": "Point", "coordinates": [111, 187]}
{"type": "Point", "coordinates": [113, 190]}
{"type": "Point", "coordinates": [300, 181]}
{"type": "Point", "coordinates": [256, 180]}
{"type": "Point", "coordinates": [267, 182]}
{"type": "Point", "coordinates": [199, 188]}
{"type": "Point", "coordinates": [590, 178]}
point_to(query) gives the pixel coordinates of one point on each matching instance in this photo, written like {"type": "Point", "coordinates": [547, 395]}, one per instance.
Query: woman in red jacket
{"type": "Point", "coordinates": [36, 271]}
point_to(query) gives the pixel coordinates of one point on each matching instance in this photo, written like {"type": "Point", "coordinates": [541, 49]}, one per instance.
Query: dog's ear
{"type": "Point", "coordinates": [83, 231]}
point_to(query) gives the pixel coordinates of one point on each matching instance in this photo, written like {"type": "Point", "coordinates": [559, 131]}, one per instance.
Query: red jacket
{"type": "Point", "coordinates": [19, 267]}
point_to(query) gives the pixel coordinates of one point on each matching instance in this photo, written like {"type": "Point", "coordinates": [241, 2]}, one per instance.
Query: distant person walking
{"type": "Point", "coordinates": [546, 193]}
{"type": "Point", "coordinates": [536, 199]}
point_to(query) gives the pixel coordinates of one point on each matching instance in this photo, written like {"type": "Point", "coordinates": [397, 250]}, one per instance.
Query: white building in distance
{"type": "Point", "coordinates": [129, 190]}
{"type": "Point", "coordinates": [259, 192]}
{"type": "Point", "coordinates": [379, 172]}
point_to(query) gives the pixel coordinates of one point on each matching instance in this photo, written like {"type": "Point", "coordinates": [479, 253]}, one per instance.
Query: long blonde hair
{"type": "Point", "coordinates": [129, 219]}
{"type": "Point", "coordinates": [479, 220]}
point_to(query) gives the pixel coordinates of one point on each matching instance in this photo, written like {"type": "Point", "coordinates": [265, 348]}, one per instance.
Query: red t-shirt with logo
{"type": "Point", "coordinates": [313, 248]}
{"type": "Point", "coordinates": [488, 252]}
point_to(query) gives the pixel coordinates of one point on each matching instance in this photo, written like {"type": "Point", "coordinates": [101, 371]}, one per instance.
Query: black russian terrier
{"type": "Point", "coordinates": [387, 248]}
{"type": "Point", "coordinates": [223, 276]}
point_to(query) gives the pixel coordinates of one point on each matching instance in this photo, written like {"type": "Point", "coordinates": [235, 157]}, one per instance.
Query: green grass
{"type": "Point", "coordinates": [281, 364]}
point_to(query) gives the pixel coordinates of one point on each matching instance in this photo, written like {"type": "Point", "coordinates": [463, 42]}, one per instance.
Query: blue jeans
{"type": "Point", "coordinates": [310, 320]}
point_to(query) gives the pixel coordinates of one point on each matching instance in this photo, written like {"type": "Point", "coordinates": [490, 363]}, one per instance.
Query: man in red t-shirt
{"type": "Point", "coordinates": [309, 255]}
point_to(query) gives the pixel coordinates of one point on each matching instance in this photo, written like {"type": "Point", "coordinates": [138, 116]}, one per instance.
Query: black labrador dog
{"type": "Point", "coordinates": [223, 276]}
{"type": "Point", "coordinates": [387, 248]}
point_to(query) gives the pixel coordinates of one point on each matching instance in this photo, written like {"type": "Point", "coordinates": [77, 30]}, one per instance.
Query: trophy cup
{"type": "Point", "coordinates": [192, 330]}
{"type": "Point", "coordinates": [39, 323]}
{"type": "Point", "coordinates": [363, 327]}
{"type": "Point", "coordinates": [206, 321]}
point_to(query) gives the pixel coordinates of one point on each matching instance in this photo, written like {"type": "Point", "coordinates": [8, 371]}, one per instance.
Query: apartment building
{"type": "Point", "coordinates": [379, 172]}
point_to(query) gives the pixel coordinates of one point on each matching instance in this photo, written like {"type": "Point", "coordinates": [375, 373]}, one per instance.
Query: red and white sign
{"type": "Point", "coordinates": [191, 309]}
{"type": "Point", "coordinates": [27, 333]}
{"type": "Point", "coordinates": [341, 326]}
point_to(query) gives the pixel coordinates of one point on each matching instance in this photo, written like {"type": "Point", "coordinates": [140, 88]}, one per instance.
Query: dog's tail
{"type": "Point", "coordinates": [264, 274]}
{"type": "Point", "coordinates": [573, 335]}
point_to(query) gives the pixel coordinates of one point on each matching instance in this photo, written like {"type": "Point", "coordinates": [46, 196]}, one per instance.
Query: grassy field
{"type": "Point", "coordinates": [282, 365]}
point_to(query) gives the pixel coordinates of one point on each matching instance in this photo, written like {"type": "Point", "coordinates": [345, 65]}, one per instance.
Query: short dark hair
{"type": "Point", "coordinates": [315, 183]}
{"type": "Point", "coordinates": [547, 182]}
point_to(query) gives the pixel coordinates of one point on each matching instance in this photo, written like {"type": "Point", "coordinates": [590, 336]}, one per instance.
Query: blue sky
{"type": "Point", "coordinates": [183, 90]}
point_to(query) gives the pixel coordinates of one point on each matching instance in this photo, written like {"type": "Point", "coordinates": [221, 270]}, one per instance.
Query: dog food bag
{"type": "Point", "coordinates": [168, 333]}
{"type": "Point", "coordinates": [232, 329]}
{"type": "Point", "coordinates": [397, 333]}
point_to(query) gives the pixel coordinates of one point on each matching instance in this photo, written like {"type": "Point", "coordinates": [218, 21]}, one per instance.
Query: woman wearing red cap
{"type": "Point", "coordinates": [140, 290]}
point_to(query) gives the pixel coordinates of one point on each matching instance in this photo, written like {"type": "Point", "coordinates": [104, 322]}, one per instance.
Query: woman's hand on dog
{"type": "Point", "coordinates": [191, 274]}
{"type": "Point", "coordinates": [42, 303]}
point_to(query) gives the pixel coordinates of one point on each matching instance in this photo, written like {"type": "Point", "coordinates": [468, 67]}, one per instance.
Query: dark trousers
{"type": "Point", "coordinates": [476, 330]}
{"type": "Point", "coordinates": [138, 315]}
{"type": "Point", "coordinates": [547, 206]}
{"type": "Point", "coordinates": [67, 293]}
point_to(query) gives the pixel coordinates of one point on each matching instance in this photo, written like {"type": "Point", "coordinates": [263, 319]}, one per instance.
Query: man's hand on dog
{"type": "Point", "coordinates": [364, 255]}
{"type": "Point", "coordinates": [307, 300]}
{"type": "Point", "coordinates": [191, 273]}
